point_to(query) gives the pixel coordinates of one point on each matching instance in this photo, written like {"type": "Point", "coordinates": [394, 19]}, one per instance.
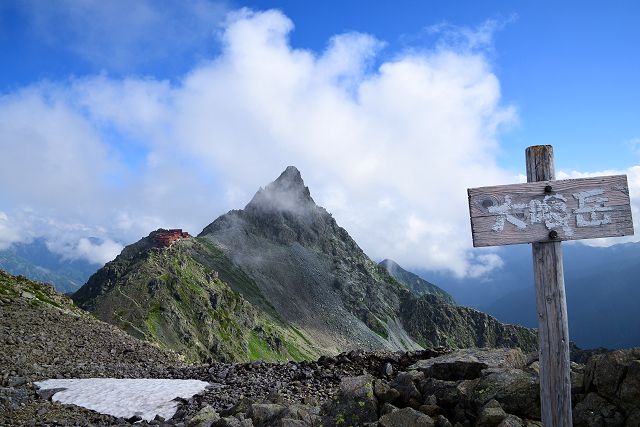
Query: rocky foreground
{"type": "Point", "coordinates": [42, 335]}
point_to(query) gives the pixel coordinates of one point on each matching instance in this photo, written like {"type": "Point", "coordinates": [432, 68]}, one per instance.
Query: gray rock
{"type": "Point", "coordinates": [615, 376]}
{"type": "Point", "coordinates": [406, 417]}
{"type": "Point", "coordinates": [206, 417]}
{"type": "Point", "coordinates": [384, 392]}
{"type": "Point", "coordinates": [16, 381]}
{"type": "Point", "coordinates": [629, 392]}
{"type": "Point", "coordinates": [387, 369]}
{"type": "Point", "coordinates": [491, 415]}
{"type": "Point", "coordinates": [442, 421]}
{"type": "Point", "coordinates": [432, 410]}
{"type": "Point", "coordinates": [577, 382]}
{"type": "Point", "coordinates": [233, 422]}
{"type": "Point", "coordinates": [275, 396]}
{"type": "Point", "coordinates": [633, 419]}
{"type": "Point", "coordinates": [437, 388]}
{"type": "Point", "coordinates": [308, 414]}
{"type": "Point", "coordinates": [242, 405]}
{"type": "Point", "coordinates": [468, 363]}
{"type": "Point", "coordinates": [517, 391]}
{"type": "Point", "coordinates": [387, 408]}
{"type": "Point", "coordinates": [11, 398]}
{"type": "Point", "coordinates": [404, 384]}
{"type": "Point", "coordinates": [263, 413]}
{"type": "Point", "coordinates": [355, 404]}
{"type": "Point", "coordinates": [290, 422]}
{"type": "Point", "coordinates": [594, 411]}
{"type": "Point", "coordinates": [511, 421]}
{"type": "Point", "coordinates": [47, 394]}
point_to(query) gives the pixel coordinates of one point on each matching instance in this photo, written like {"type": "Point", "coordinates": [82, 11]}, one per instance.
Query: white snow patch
{"type": "Point", "coordinates": [124, 397]}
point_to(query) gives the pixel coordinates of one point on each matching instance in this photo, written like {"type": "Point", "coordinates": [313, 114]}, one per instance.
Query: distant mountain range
{"type": "Point", "coordinates": [276, 280]}
{"type": "Point", "coordinates": [603, 292]}
{"type": "Point", "coordinates": [36, 261]}
{"type": "Point", "coordinates": [298, 279]}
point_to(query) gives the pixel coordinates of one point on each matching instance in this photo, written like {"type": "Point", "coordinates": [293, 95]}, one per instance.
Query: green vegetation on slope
{"type": "Point", "coordinates": [38, 293]}
{"type": "Point", "coordinates": [237, 291]}
{"type": "Point", "coordinates": [435, 324]}
{"type": "Point", "coordinates": [176, 298]}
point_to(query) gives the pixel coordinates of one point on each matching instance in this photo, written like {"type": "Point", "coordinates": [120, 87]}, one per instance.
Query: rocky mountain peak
{"type": "Point", "coordinates": [286, 193]}
{"type": "Point", "coordinates": [389, 264]}
{"type": "Point", "coordinates": [415, 283]}
{"type": "Point", "coordinates": [290, 176]}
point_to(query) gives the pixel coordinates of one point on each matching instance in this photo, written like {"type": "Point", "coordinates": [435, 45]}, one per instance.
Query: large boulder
{"type": "Point", "coordinates": [595, 411]}
{"type": "Point", "coordinates": [355, 403]}
{"type": "Point", "coordinates": [304, 413]}
{"type": "Point", "coordinates": [206, 417]}
{"type": "Point", "coordinates": [511, 421]}
{"type": "Point", "coordinates": [384, 393]}
{"type": "Point", "coordinates": [517, 391]}
{"type": "Point", "coordinates": [237, 421]}
{"type": "Point", "coordinates": [467, 364]}
{"type": "Point", "coordinates": [616, 376]}
{"type": "Point", "coordinates": [491, 415]}
{"type": "Point", "coordinates": [407, 390]}
{"type": "Point", "coordinates": [264, 413]}
{"type": "Point", "coordinates": [406, 417]}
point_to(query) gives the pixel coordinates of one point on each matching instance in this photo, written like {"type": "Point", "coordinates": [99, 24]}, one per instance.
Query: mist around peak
{"type": "Point", "coordinates": [286, 194]}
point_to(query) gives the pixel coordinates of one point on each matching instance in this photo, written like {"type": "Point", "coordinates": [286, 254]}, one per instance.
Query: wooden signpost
{"type": "Point", "coordinates": [545, 212]}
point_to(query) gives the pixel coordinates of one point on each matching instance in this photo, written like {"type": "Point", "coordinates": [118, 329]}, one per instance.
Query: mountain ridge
{"type": "Point", "coordinates": [415, 283]}
{"type": "Point", "coordinates": [35, 260]}
{"type": "Point", "coordinates": [601, 287]}
{"type": "Point", "coordinates": [180, 298]}
{"type": "Point", "coordinates": [306, 288]}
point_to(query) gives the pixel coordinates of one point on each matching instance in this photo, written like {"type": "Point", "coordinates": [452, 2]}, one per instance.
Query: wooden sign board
{"type": "Point", "coordinates": [550, 211]}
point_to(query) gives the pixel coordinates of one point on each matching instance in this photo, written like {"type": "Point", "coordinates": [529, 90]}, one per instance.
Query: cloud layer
{"type": "Point", "coordinates": [388, 146]}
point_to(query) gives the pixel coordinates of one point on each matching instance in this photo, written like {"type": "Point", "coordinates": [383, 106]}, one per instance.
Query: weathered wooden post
{"type": "Point", "coordinates": [551, 304]}
{"type": "Point", "coordinates": [544, 212]}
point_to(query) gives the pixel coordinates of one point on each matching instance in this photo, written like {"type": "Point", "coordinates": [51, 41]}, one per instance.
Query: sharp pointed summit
{"type": "Point", "coordinates": [318, 279]}
{"type": "Point", "coordinates": [291, 175]}
{"type": "Point", "coordinates": [278, 279]}
{"type": "Point", "coordinates": [286, 193]}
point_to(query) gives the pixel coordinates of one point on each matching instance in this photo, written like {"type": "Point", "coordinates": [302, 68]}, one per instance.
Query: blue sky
{"type": "Point", "coordinates": [571, 68]}
{"type": "Point", "coordinates": [146, 99]}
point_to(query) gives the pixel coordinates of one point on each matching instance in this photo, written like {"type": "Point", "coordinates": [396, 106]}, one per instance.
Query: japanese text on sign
{"type": "Point", "coordinates": [552, 211]}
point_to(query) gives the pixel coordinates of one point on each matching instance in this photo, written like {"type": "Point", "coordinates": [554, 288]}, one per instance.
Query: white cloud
{"type": "Point", "coordinates": [469, 38]}
{"type": "Point", "coordinates": [390, 150]}
{"type": "Point", "coordinates": [67, 239]}
{"type": "Point", "coordinates": [96, 252]}
{"type": "Point", "coordinates": [49, 152]}
{"type": "Point", "coordinates": [633, 179]}
{"type": "Point", "coordinates": [484, 264]}
{"type": "Point", "coordinates": [9, 234]}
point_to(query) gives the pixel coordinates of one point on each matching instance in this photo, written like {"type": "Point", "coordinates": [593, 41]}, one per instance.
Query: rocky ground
{"type": "Point", "coordinates": [43, 336]}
